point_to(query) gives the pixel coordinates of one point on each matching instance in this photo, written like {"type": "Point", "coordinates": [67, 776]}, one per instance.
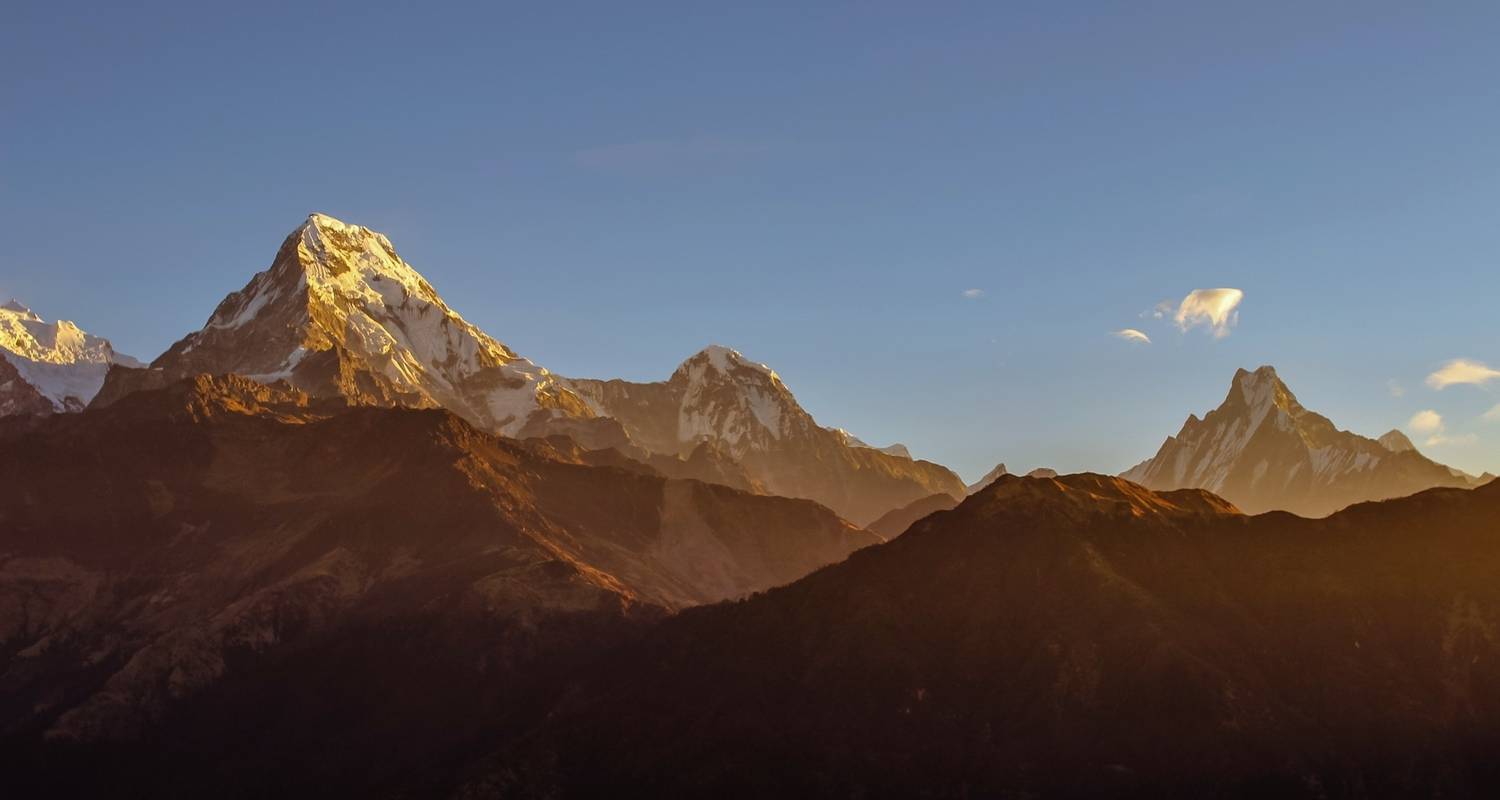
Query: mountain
{"type": "Point", "coordinates": [1042, 472]}
{"type": "Point", "coordinates": [989, 478]}
{"type": "Point", "coordinates": [720, 396]}
{"type": "Point", "coordinates": [220, 540]}
{"type": "Point", "coordinates": [340, 314]}
{"type": "Point", "coordinates": [1262, 450]}
{"type": "Point", "coordinates": [1071, 637]}
{"type": "Point", "coordinates": [1396, 442]}
{"type": "Point", "coordinates": [895, 522]}
{"type": "Point", "coordinates": [49, 367]}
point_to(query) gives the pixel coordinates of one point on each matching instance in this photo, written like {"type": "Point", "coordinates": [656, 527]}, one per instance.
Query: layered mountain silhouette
{"type": "Point", "coordinates": [187, 539]}
{"type": "Point", "coordinates": [893, 523]}
{"type": "Point", "coordinates": [1262, 450]}
{"type": "Point", "coordinates": [49, 367]}
{"type": "Point", "coordinates": [719, 396]}
{"type": "Point", "coordinates": [1079, 636]}
{"type": "Point", "coordinates": [342, 542]}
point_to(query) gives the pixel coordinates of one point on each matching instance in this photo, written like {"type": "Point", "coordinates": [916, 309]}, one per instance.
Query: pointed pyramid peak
{"type": "Point", "coordinates": [990, 477]}
{"type": "Point", "coordinates": [1260, 390]}
{"type": "Point", "coordinates": [1396, 441]}
{"type": "Point", "coordinates": [1262, 373]}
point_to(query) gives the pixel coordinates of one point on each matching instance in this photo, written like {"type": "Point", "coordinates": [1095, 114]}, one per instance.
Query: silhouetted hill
{"type": "Point", "coordinates": [245, 573]}
{"type": "Point", "coordinates": [1071, 636]}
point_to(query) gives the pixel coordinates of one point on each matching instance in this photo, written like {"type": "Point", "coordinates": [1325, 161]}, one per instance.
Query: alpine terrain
{"type": "Point", "coordinates": [48, 367]}
{"type": "Point", "coordinates": [721, 397]}
{"type": "Point", "coordinates": [1262, 450]}
{"type": "Point", "coordinates": [339, 313]}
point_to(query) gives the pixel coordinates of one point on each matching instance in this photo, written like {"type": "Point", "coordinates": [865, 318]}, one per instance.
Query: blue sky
{"type": "Point", "coordinates": [609, 187]}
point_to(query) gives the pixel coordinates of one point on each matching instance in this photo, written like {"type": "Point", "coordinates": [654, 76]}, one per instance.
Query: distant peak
{"type": "Point", "coordinates": [990, 477]}
{"type": "Point", "coordinates": [1396, 442]}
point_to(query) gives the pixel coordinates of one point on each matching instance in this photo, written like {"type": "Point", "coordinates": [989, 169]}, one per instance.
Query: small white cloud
{"type": "Point", "coordinates": [1132, 335]}
{"type": "Point", "coordinates": [1428, 421]}
{"type": "Point", "coordinates": [1215, 309]}
{"type": "Point", "coordinates": [1397, 390]}
{"type": "Point", "coordinates": [1493, 415]}
{"type": "Point", "coordinates": [1462, 370]}
{"type": "Point", "coordinates": [973, 294]}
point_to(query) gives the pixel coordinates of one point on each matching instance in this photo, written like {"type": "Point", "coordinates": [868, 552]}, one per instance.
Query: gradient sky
{"type": "Point", "coordinates": [607, 188]}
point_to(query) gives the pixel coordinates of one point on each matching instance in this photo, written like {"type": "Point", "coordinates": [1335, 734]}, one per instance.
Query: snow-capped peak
{"type": "Point", "coordinates": [25, 334]}
{"type": "Point", "coordinates": [726, 360]}
{"type": "Point", "coordinates": [730, 398]}
{"type": "Point", "coordinates": [338, 294]}
{"type": "Point", "coordinates": [61, 361]}
{"type": "Point", "coordinates": [1261, 449]}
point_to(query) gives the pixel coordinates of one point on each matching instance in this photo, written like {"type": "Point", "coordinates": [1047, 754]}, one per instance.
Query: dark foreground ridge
{"type": "Point", "coordinates": [1076, 636]}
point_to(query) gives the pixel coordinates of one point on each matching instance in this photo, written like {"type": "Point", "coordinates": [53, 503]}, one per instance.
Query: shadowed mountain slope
{"type": "Point", "coordinates": [1066, 637]}
{"type": "Point", "coordinates": [224, 533]}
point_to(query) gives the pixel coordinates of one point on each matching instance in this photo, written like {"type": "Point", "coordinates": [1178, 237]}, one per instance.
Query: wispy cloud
{"type": "Point", "coordinates": [1460, 371]}
{"type": "Point", "coordinates": [1428, 421]}
{"type": "Point", "coordinates": [973, 294]}
{"type": "Point", "coordinates": [1493, 415]}
{"type": "Point", "coordinates": [667, 155]}
{"type": "Point", "coordinates": [1395, 387]}
{"type": "Point", "coordinates": [1215, 309]}
{"type": "Point", "coordinates": [1132, 335]}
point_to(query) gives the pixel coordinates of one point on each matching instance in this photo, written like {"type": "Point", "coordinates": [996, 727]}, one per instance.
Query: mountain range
{"type": "Point", "coordinates": [156, 547]}
{"type": "Point", "coordinates": [340, 314]}
{"type": "Point", "coordinates": [342, 542]}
